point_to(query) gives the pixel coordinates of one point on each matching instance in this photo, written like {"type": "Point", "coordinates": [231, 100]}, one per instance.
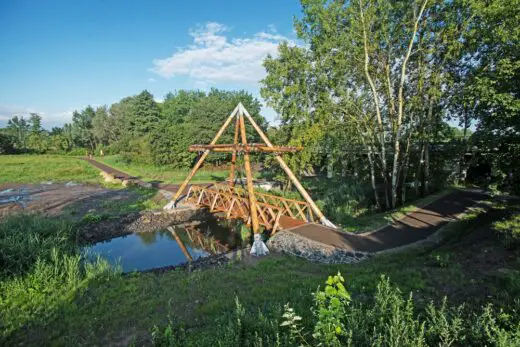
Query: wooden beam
{"type": "Point", "coordinates": [230, 148]}
{"type": "Point", "coordinates": [181, 244]}
{"type": "Point", "coordinates": [234, 155]}
{"type": "Point", "coordinates": [249, 176]}
{"type": "Point", "coordinates": [288, 171]}
{"type": "Point", "coordinates": [204, 155]}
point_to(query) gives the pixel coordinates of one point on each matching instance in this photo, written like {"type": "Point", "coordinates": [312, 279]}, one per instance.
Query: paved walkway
{"type": "Point", "coordinates": [414, 227]}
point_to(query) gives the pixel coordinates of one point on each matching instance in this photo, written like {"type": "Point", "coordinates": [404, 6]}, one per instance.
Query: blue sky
{"type": "Point", "coordinates": [57, 56]}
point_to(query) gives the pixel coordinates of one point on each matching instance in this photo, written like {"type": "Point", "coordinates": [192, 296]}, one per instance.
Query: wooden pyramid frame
{"type": "Point", "coordinates": [267, 147]}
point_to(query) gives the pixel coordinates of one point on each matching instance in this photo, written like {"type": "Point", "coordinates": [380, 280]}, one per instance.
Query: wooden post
{"type": "Point", "coordinates": [204, 155]}
{"type": "Point", "coordinates": [288, 171]}
{"type": "Point", "coordinates": [234, 156]}
{"type": "Point", "coordinates": [249, 176]}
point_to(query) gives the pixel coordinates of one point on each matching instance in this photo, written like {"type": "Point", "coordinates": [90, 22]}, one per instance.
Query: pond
{"type": "Point", "coordinates": [148, 250]}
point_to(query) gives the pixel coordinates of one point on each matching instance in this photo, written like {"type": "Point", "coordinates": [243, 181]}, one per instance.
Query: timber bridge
{"type": "Point", "coordinates": [302, 218]}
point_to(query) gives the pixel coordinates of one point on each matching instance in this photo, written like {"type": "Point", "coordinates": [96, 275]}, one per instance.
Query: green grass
{"type": "Point", "coordinates": [509, 227]}
{"type": "Point", "coordinates": [42, 270]}
{"type": "Point", "coordinates": [162, 173]}
{"type": "Point", "coordinates": [125, 307]}
{"type": "Point", "coordinates": [40, 168]}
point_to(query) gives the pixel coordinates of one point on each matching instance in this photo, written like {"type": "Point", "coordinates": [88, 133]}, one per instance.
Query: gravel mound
{"type": "Point", "coordinates": [290, 243]}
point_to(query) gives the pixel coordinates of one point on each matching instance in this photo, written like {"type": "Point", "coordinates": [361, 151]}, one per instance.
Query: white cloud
{"type": "Point", "coordinates": [49, 119]}
{"type": "Point", "coordinates": [9, 111]}
{"type": "Point", "coordinates": [214, 58]}
{"type": "Point", "coordinates": [152, 80]}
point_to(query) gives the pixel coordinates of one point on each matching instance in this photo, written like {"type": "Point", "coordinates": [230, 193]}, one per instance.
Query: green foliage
{"type": "Point", "coordinates": [445, 324]}
{"type": "Point", "coordinates": [82, 128]}
{"type": "Point", "coordinates": [7, 143]}
{"type": "Point", "coordinates": [195, 117]}
{"type": "Point", "coordinates": [440, 260]}
{"type": "Point", "coordinates": [344, 201]}
{"type": "Point", "coordinates": [330, 308]}
{"type": "Point", "coordinates": [91, 218]}
{"type": "Point", "coordinates": [172, 335]}
{"type": "Point", "coordinates": [41, 270]}
{"type": "Point", "coordinates": [37, 296]}
{"type": "Point", "coordinates": [18, 128]}
{"type": "Point", "coordinates": [24, 239]}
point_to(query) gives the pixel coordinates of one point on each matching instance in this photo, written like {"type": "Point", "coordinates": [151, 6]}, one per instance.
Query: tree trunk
{"type": "Point", "coordinates": [401, 101]}
{"type": "Point", "coordinates": [373, 177]}
{"type": "Point", "coordinates": [405, 169]}
{"type": "Point", "coordinates": [380, 136]}
{"type": "Point", "coordinates": [418, 174]}
{"type": "Point", "coordinates": [426, 168]}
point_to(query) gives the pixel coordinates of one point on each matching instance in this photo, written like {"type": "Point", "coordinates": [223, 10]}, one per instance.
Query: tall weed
{"type": "Point", "coordinates": [387, 319]}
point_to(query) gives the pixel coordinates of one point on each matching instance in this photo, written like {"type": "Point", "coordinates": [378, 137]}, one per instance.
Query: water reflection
{"type": "Point", "coordinates": [176, 246]}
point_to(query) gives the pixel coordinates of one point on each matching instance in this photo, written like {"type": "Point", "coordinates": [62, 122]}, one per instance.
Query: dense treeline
{"type": "Point", "coordinates": [137, 127]}
{"type": "Point", "coordinates": [375, 82]}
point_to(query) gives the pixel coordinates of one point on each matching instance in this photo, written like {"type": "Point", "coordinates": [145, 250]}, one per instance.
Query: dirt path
{"type": "Point", "coordinates": [124, 176]}
{"type": "Point", "coordinates": [413, 227]}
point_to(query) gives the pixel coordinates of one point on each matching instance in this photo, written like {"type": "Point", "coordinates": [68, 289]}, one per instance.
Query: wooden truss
{"type": "Point", "coordinates": [256, 208]}
{"type": "Point", "coordinates": [274, 212]}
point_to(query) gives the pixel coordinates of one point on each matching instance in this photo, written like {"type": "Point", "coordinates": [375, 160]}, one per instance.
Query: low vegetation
{"type": "Point", "coordinates": [509, 228]}
{"type": "Point", "coordinates": [42, 271]}
{"type": "Point", "coordinates": [388, 318]}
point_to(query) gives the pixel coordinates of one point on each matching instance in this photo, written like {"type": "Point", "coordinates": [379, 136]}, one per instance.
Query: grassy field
{"type": "Point", "coordinates": [49, 296]}
{"type": "Point", "coordinates": [104, 308]}
{"type": "Point", "coordinates": [39, 168]}
{"type": "Point", "coordinates": [162, 174]}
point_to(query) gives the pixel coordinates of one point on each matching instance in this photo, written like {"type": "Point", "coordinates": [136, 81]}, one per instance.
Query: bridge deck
{"type": "Point", "coordinates": [288, 222]}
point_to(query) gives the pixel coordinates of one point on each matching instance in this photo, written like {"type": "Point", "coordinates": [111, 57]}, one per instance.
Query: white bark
{"type": "Point", "coordinates": [375, 96]}
{"type": "Point", "coordinates": [400, 106]}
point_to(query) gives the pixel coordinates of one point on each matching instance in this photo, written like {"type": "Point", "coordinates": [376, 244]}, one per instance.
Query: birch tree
{"type": "Point", "coordinates": [379, 67]}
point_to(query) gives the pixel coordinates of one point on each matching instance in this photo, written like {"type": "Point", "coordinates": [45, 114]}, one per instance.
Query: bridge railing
{"type": "Point", "coordinates": [235, 204]}
{"type": "Point", "coordinates": [290, 207]}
